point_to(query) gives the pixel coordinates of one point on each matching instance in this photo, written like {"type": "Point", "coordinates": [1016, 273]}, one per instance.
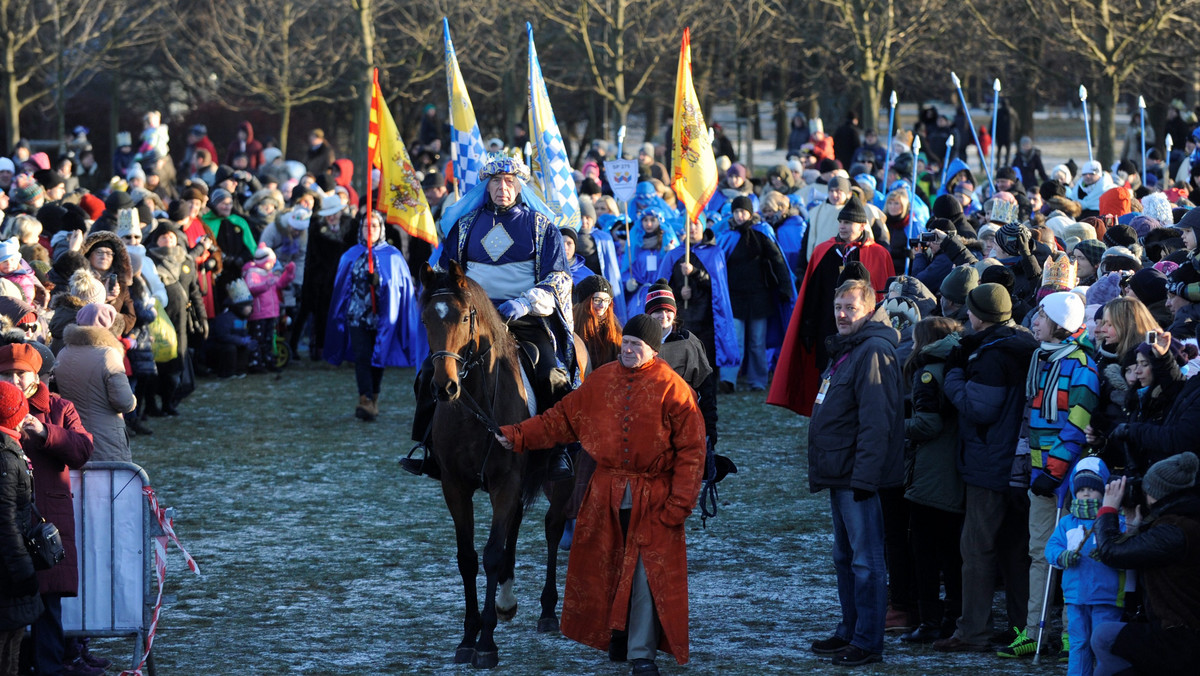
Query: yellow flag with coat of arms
{"type": "Point", "coordinates": [400, 197]}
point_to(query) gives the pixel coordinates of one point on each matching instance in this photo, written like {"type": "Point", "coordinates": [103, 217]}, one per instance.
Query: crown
{"type": "Point", "coordinates": [239, 292]}
{"type": "Point", "coordinates": [127, 222]}
{"type": "Point", "coordinates": [1059, 273]}
{"type": "Point", "coordinates": [1003, 212]}
{"type": "Point", "coordinates": [500, 163]}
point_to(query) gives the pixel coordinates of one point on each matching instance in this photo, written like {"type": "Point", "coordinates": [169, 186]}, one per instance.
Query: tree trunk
{"type": "Point", "coordinates": [653, 118]}
{"type": "Point", "coordinates": [783, 125]}
{"type": "Point", "coordinates": [12, 107]}
{"type": "Point", "coordinates": [362, 112]}
{"type": "Point", "coordinates": [872, 98]}
{"type": "Point", "coordinates": [1106, 131]}
{"type": "Point", "coordinates": [285, 123]}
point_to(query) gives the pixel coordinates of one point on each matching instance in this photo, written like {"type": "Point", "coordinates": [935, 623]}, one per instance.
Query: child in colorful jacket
{"type": "Point", "coordinates": [266, 285]}
{"type": "Point", "coordinates": [1094, 592]}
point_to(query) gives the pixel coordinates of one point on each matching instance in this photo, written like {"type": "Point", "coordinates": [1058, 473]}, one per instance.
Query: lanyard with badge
{"type": "Point", "coordinates": [825, 382]}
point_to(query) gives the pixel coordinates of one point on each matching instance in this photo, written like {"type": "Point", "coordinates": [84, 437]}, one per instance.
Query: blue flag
{"type": "Point", "coordinates": [549, 163]}
{"type": "Point", "coordinates": [465, 140]}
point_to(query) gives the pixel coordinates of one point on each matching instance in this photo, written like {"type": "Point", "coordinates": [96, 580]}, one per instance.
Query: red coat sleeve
{"type": "Point", "coordinates": [687, 438]}
{"type": "Point", "coordinates": [66, 439]}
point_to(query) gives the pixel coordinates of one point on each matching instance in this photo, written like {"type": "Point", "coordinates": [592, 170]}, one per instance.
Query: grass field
{"type": "Point", "coordinates": [321, 557]}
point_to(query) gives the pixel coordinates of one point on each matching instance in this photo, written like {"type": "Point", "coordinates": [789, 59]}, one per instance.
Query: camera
{"type": "Point", "coordinates": [912, 243]}
{"type": "Point", "coordinates": [929, 237]}
{"type": "Point", "coordinates": [1135, 495]}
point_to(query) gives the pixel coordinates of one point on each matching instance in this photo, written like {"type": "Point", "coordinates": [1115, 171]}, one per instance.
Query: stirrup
{"type": "Point", "coordinates": [413, 465]}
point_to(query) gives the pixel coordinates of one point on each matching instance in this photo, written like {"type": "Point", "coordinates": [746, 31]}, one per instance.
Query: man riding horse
{"type": "Point", "coordinates": [504, 237]}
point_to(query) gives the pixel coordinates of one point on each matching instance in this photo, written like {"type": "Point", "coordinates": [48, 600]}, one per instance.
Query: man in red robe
{"type": "Point", "coordinates": [626, 584]}
{"type": "Point", "coordinates": [803, 355]}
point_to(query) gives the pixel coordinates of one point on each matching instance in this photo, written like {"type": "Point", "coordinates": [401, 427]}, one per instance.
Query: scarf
{"type": "Point", "coordinates": [1085, 509]}
{"type": "Point", "coordinates": [1053, 353]}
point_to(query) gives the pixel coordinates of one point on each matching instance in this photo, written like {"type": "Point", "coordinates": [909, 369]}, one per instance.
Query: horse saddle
{"type": "Point", "coordinates": [550, 383]}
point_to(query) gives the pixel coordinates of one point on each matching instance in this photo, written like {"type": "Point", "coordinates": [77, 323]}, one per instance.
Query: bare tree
{"type": "Point", "coordinates": [50, 49]}
{"type": "Point", "coordinates": [884, 36]}
{"type": "Point", "coordinates": [622, 41]}
{"type": "Point", "coordinates": [271, 54]}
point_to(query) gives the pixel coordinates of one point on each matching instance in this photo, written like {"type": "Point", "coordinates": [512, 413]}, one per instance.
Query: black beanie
{"type": "Point", "coordinates": [1149, 285]}
{"type": "Point", "coordinates": [179, 210]}
{"type": "Point", "coordinates": [998, 274]}
{"type": "Point", "coordinates": [569, 233]}
{"type": "Point", "coordinates": [1120, 235]}
{"type": "Point", "coordinates": [75, 218]}
{"type": "Point", "coordinates": [1190, 219]}
{"type": "Point", "coordinates": [1050, 189]}
{"type": "Point", "coordinates": [589, 286]}
{"type": "Point", "coordinates": [660, 296]}
{"type": "Point", "coordinates": [646, 328]}
{"type": "Point", "coordinates": [118, 200]}
{"type": "Point", "coordinates": [854, 270]}
{"type": "Point", "coordinates": [51, 218]}
{"type": "Point", "coordinates": [742, 202]}
{"type": "Point", "coordinates": [853, 212]}
{"type": "Point", "coordinates": [944, 224]}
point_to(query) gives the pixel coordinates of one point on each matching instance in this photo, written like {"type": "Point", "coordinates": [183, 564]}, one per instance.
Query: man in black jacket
{"type": "Point", "coordinates": [1165, 552]}
{"type": "Point", "coordinates": [855, 448]}
{"type": "Point", "coordinates": [986, 383]}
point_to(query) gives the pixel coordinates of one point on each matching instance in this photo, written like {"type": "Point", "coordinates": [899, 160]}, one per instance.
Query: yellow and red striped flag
{"type": "Point", "coordinates": [693, 166]}
{"type": "Point", "coordinates": [400, 199]}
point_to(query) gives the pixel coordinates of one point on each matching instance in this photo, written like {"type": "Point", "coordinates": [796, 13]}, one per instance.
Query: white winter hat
{"type": "Point", "coordinates": [7, 165]}
{"type": "Point", "coordinates": [1064, 308]}
{"type": "Point", "coordinates": [1092, 167]}
{"type": "Point", "coordinates": [331, 204]}
{"type": "Point", "coordinates": [298, 218]}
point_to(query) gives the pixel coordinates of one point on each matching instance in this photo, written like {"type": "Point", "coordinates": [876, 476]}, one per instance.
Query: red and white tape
{"type": "Point", "coordinates": [160, 570]}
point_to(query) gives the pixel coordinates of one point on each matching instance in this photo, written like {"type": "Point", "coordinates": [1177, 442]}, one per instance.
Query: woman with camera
{"type": "Point", "coordinates": [1165, 551]}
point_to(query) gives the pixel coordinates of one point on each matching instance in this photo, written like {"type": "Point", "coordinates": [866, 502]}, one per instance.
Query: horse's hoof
{"type": "Point", "coordinates": [547, 625]}
{"type": "Point", "coordinates": [486, 660]}
{"type": "Point", "coordinates": [506, 614]}
{"type": "Point", "coordinates": [464, 655]}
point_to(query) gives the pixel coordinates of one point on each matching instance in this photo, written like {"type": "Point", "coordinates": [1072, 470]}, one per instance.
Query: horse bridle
{"type": "Point", "coordinates": [471, 359]}
{"type": "Point", "coordinates": [469, 363]}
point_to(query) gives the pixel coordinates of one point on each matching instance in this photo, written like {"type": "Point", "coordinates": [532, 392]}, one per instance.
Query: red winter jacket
{"type": "Point", "coordinates": [67, 446]}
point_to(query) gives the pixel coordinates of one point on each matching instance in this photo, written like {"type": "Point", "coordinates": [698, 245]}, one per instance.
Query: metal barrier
{"type": "Point", "coordinates": [114, 527]}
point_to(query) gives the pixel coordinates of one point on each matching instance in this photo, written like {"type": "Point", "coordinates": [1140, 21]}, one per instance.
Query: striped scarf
{"type": "Point", "coordinates": [1053, 353]}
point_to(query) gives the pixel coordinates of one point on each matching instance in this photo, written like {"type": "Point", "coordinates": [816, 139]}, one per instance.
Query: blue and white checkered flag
{"type": "Point", "coordinates": [465, 140]}
{"type": "Point", "coordinates": [549, 162]}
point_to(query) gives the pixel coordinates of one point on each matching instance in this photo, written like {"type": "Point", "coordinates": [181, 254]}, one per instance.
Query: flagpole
{"type": "Point", "coordinates": [620, 142]}
{"type": "Point", "coordinates": [974, 134]}
{"type": "Point", "coordinates": [946, 162]}
{"type": "Point", "coordinates": [891, 122]}
{"type": "Point", "coordinates": [454, 161]}
{"type": "Point", "coordinates": [1169, 143]}
{"type": "Point", "coordinates": [995, 117]}
{"type": "Point", "coordinates": [1087, 122]}
{"type": "Point", "coordinates": [1142, 106]}
{"type": "Point", "coordinates": [375, 96]}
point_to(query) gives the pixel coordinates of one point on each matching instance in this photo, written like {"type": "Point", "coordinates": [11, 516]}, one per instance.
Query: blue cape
{"type": "Point", "coordinates": [400, 340]}
{"type": "Point", "coordinates": [777, 323]}
{"type": "Point", "coordinates": [610, 269]}
{"type": "Point", "coordinates": [724, 331]}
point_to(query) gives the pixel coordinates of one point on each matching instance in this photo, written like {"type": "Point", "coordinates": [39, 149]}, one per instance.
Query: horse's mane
{"type": "Point", "coordinates": [485, 312]}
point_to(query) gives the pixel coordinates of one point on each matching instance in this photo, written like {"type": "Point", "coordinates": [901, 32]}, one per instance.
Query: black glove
{"type": "Point", "coordinates": [862, 494]}
{"type": "Point", "coordinates": [1119, 433]}
{"type": "Point", "coordinates": [957, 358]}
{"type": "Point", "coordinates": [1045, 485]}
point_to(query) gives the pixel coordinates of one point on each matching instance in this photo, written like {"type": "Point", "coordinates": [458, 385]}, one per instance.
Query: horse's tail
{"type": "Point", "coordinates": [534, 476]}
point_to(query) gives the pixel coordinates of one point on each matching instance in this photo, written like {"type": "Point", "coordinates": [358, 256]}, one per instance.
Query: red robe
{"type": "Point", "coordinates": [797, 377]}
{"type": "Point", "coordinates": [643, 428]}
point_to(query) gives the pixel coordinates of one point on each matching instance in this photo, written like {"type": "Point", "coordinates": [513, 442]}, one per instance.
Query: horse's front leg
{"type": "Point", "coordinates": [506, 511]}
{"type": "Point", "coordinates": [458, 500]}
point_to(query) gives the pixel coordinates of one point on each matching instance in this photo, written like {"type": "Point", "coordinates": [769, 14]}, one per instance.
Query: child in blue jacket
{"type": "Point", "coordinates": [1094, 593]}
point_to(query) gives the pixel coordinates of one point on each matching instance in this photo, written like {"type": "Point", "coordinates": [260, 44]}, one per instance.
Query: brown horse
{"type": "Point", "coordinates": [478, 384]}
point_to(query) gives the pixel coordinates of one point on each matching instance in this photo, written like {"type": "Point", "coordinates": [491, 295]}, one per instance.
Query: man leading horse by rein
{"type": "Point", "coordinates": [504, 238]}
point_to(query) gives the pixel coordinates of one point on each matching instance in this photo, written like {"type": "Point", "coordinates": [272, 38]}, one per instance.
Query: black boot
{"type": "Point", "coordinates": [423, 465]}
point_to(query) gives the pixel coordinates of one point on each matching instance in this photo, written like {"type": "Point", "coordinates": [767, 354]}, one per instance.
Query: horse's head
{"type": "Point", "coordinates": [452, 326]}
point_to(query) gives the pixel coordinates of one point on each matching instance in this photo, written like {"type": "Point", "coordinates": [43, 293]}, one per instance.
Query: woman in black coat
{"type": "Point", "coordinates": [20, 603]}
